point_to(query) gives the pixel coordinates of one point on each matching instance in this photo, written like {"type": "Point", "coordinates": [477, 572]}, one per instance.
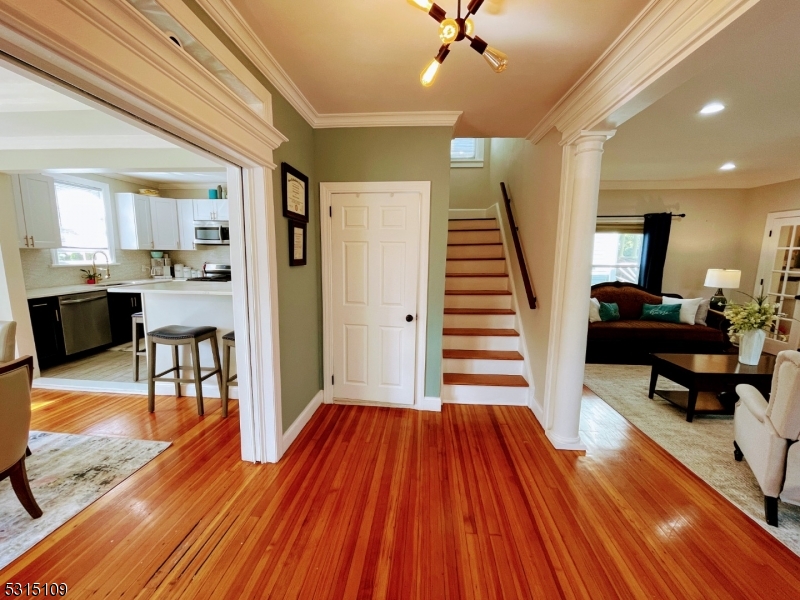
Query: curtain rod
{"type": "Point", "coordinates": [674, 216]}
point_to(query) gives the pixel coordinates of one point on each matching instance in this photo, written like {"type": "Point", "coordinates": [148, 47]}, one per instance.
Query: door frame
{"type": "Point", "coordinates": [326, 191]}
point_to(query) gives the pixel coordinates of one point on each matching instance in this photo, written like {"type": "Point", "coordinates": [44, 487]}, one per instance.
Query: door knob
{"type": "Point", "coordinates": [409, 318]}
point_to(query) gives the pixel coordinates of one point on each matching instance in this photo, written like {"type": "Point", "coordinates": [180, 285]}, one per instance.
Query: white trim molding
{"type": "Point", "coordinates": [290, 435]}
{"type": "Point", "coordinates": [660, 37]}
{"type": "Point", "coordinates": [224, 14]}
{"type": "Point", "coordinates": [326, 191]}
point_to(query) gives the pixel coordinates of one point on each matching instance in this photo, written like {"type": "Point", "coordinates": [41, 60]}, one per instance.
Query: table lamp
{"type": "Point", "coordinates": [721, 279]}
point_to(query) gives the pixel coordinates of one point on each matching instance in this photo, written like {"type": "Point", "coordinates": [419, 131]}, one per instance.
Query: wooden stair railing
{"type": "Point", "coordinates": [526, 278]}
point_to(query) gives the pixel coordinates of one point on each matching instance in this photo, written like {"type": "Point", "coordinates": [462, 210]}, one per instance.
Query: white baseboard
{"type": "Point", "coordinates": [560, 443]}
{"type": "Point", "coordinates": [290, 435]}
{"type": "Point", "coordinates": [125, 387]}
{"type": "Point", "coordinates": [467, 213]}
{"type": "Point", "coordinates": [431, 403]}
{"type": "Point", "coordinates": [537, 410]}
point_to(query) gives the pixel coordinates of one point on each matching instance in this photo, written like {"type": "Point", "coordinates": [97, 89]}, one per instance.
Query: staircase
{"type": "Point", "coordinates": [482, 356]}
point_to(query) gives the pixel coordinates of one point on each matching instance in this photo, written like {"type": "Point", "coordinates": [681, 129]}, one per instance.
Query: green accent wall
{"type": "Point", "coordinates": [400, 154]}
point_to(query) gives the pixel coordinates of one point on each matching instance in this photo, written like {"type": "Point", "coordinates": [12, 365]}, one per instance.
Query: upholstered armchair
{"type": "Point", "coordinates": [764, 432]}
{"type": "Point", "coordinates": [15, 424]}
{"type": "Point", "coordinates": [8, 332]}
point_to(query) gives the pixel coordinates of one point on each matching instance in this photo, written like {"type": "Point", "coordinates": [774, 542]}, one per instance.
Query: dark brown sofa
{"type": "Point", "coordinates": [631, 340]}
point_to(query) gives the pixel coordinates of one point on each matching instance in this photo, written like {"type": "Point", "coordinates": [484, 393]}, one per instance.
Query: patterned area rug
{"type": "Point", "coordinates": [705, 446]}
{"type": "Point", "coordinates": [66, 473]}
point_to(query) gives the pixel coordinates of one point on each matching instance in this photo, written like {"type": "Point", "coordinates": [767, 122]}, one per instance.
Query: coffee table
{"type": "Point", "coordinates": [708, 373]}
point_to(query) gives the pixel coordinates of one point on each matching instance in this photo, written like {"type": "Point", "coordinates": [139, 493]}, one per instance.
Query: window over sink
{"type": "Point", "coordinates": [85, 221]}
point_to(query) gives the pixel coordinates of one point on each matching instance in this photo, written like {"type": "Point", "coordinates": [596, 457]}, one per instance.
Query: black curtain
{"type": "Point", "coordinates": [654, 251]}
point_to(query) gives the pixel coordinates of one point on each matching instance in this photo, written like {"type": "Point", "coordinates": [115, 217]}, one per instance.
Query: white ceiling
{"type": "Point", "coordinates": [352, 56]}
{"type": "Point", "coordinates": [758, 79]}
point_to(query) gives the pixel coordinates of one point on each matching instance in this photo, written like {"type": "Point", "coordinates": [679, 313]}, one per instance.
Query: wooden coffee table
{"type": "Point", "coordinates": [708, 373]}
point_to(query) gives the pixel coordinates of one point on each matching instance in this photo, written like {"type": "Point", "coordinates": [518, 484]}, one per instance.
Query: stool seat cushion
{"type": "Point", "coordinates": [179, 332]}
{"type": "Point", "coordinates": [230, 336]}
{"type": "Point", "coordinates": [137, 315]}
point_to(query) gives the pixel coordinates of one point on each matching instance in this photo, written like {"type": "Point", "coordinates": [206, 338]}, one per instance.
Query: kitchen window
{"type": "Point", "coordinates": [84, 217]}
{"type": "Point", "coordinates": [467, 152]}
{"type": "Point", "coordinates": [617, 252]}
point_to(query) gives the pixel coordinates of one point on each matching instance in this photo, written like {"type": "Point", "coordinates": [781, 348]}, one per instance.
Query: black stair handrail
{"type": "Point", "coordinates": [526, 278]}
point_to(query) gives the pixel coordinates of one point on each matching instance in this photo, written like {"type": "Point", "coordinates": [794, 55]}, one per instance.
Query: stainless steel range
{"type": "Point", "coordinates": [214, 272]}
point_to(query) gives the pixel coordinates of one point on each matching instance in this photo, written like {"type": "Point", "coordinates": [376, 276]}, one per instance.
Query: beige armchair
{"type": "Point", "coordinates": [8, 332]}
{"type": "Point", "coordinates": [15, 424]}
{"type": "Point", "coordinates": [764, 432]}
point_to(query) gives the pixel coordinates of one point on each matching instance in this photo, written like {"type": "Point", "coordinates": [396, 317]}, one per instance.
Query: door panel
{"type": "Point", "coordinates": [375, 262]}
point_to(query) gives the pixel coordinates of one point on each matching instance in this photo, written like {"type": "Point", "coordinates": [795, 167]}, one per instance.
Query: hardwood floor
{"type": "Point", "coordinates": [111, 365]}
{"type": "Point", "coordinates": [389, 503]}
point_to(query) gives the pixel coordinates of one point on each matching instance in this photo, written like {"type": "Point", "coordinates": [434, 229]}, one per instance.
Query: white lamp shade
{"type": "Point", "coordinates": [723, 278]}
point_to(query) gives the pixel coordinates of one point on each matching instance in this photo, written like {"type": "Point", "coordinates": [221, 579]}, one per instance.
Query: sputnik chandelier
{"type": "Point", "coordinates": [455, 30]}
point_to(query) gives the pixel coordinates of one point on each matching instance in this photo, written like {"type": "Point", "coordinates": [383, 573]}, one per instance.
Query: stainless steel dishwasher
{"type": "Point", "coordinates": [85, 321]}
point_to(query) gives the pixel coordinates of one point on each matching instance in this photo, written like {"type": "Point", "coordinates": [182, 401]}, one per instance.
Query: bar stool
{"type": "Point", "coordinates": [228, 342]}
{"type": "Point", "coordinates": [137, 320]}
{"type": "Point", "coordinates": [175, 336]}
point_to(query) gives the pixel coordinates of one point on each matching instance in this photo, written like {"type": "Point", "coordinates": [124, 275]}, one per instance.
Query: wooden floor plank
{"type": "Point", "coordinates": [472, 502]}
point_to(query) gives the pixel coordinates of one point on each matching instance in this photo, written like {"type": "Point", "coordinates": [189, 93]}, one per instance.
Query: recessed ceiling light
{"type": "Point", "coordinates": [729, 166]}
{"type": "Point", "coordinates": [711, 108]}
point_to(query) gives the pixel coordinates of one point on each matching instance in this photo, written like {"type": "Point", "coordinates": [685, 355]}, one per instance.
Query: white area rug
{"type": "Point", "coordinates": [705, 446]}
{"type": "Point", "coordinates": [66, 473]}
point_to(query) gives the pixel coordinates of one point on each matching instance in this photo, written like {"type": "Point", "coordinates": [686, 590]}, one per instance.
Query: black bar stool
{"type": "Point", "coordinates": [228, 342]}
{"type": "Point", "coordinates": [137, 319]}
{"type": "Point", "coordinates": [175, 336]}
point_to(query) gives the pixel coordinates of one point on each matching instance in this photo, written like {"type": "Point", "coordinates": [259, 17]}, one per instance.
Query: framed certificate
{"type": "Point", "coordinates": [295, 193]}
{"type": "Point", "coordinates": [297, 244]}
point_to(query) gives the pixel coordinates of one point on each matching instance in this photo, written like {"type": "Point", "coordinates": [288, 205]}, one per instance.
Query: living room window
{"type": "Point", "coordinates": [617, 252]}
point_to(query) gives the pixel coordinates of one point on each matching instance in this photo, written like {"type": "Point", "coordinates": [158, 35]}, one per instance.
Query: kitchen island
{"type": "Point", "coordinates": [191, 304]}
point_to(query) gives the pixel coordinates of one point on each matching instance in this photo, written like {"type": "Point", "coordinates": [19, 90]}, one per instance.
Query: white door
{"type": "Point", "coordinates": [779, 278]}
{"type": "Point", "coordinates": [221, 212]}
{"type": "Point", "coordinates": [164, 218]}
{"type": "Point", "coordinates": [203, 210]}
{"type": "Point", "coordinates": [40, 211]}
{"type": "Point", "coordinates": [375, 241]}
{"type": "Point", "coordinates": [143, 222]}
{"type": "Point", "coordinates": [186, 224]}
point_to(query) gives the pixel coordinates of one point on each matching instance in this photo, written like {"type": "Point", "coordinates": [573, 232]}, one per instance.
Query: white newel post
{"type": "Point", "coordinates": [568, 389]}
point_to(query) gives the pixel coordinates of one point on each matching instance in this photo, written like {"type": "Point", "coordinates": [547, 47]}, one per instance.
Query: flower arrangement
{"type": "Point", "coordinates": [756, 314]}
{"type": "Point", "coordinates": [90, 275]}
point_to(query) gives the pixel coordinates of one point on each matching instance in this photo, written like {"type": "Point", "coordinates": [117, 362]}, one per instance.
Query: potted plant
{"type": "Point", "coordinates": [90, 275]}
{"type": "Point", "coordinates": [750, 322]}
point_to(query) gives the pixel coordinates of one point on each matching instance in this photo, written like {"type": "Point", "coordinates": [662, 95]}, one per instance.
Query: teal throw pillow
{"type": "Point", "coordinates": [669, 313]}
{"type": "Point", "coordinates": [609, 311]}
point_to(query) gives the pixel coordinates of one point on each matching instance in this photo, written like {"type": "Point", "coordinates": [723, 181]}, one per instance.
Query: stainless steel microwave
{"type": "Point", "coordinates": [212, 232]}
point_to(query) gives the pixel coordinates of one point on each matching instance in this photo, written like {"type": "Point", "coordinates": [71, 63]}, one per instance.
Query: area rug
{"type": "Point", "coordinates": [705, 446]}
{"type": "Point", "coordinates": [66, 473]}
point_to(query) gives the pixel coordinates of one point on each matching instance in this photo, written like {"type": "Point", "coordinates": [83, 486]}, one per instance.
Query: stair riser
{"type": "Point", "coordinates": [480, 321]}
{"type": "Point", "coordinates": [474, 237]}
{"type": "Point", "coordinates": [474, 224]}
{"type": "Point", "coordinates": [474, 252]}
{"type": "Point", "coordinates": [476, 266]}
{"type": "Point", "coordinates": [480, 342]}
{"type": "Point", "coordinates": [476, 283]}
{"type": "Point", "coordinates": [487, 395]}
{"type": "Point", "coordinates": [477, 301]}
{"type": "Point", "coordinates": [482, 366]}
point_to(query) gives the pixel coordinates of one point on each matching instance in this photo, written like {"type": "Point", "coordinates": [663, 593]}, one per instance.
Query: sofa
{"type": "Point", "coordinates": [631, 340]}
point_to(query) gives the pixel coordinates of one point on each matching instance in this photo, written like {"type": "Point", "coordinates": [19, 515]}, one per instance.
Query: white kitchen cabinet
{"type": "Point", "coordinates": [186, 223]}
{"type": "Point", "coordinates": [210, 210]}
{"type": "Point", "coordinates": [37, 211]}
{"type": "Point", "coordinates": [133, 219]}
{"type": "Point", "coordinates": [164, 218]}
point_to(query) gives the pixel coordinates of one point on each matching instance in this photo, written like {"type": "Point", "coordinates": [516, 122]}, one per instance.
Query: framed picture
{"type": "Point", "coordinates": [297, 244]}
{"type": "Point", "coordinates": [295, 193]}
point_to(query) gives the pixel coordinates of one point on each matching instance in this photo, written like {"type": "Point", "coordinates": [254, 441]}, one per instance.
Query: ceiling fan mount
{"type": "Point", "coordinates": [455, 30]}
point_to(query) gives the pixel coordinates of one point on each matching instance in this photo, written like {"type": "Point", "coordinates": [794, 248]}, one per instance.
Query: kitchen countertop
{"type": "Point", "coordinates": [83, 288]}
{"type": "Point", "coordinates": [200, 288]}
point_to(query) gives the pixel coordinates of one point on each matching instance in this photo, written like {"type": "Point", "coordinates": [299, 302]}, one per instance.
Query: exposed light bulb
{"type": "Point", "coordinates": [496, 59]}
{"type": "Point", "coordinates": [428, 76]}
{"type": "Point", "coordinates": [729, 166]}
{"type": "Point", "coordinates": [711, 108]}
{"type": "Point", "coordinates": [421, 4]}
{"type": "Point", "coordinates": [448, 31]}
{"type": "Point", "coordinates": [469, 26]}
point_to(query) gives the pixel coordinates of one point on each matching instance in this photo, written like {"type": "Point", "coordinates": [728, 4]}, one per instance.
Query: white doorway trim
{"type": "Point", "coordinates": [326, 190]}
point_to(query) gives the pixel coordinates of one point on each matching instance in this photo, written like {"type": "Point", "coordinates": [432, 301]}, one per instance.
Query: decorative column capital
{"type": "Point", "coordinates": [591, 141]}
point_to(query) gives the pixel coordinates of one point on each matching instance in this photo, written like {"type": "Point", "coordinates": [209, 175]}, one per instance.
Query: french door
{"type": "Point", "coordinates": [779, 278]}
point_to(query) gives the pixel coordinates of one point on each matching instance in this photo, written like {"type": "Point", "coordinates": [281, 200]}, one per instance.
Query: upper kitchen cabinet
{"type": "Point", "coordinates": [133, 218]}
{"type": "Point", "coordinates": [164, 218]}
{"type": "Point", "coordinates": [186, 223]}
{"type": "Point", "coordinates": [210, 210]}
{"type": "Point", "coordinates": [37, 211]}
{"type": "Point", "coordinates": [154, 223]}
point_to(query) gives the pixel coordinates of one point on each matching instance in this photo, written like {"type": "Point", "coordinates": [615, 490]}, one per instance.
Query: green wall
{"type": "Point", "coordinates": [400, 154]}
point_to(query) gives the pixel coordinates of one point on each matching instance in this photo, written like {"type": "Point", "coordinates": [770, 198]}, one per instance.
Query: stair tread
{"type": "Point", "coordinates": [483, 354]}
{"type": "Point", "coordinates": [482, 332]}
{"type": "Point", "coordinates": [479, 311]}
{"type": "Point", "coordinates": [477, 293]}
{"type": "Point", "coordinates": [488, 380]}
{"type": "Point", "coordinates": [476, 274]}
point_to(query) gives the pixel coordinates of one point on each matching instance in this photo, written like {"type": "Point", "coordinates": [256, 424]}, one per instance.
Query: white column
{"type": "Point", "coordinates": [570, 361]}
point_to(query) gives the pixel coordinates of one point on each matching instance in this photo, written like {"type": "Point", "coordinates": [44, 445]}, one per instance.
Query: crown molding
{"type": "Point", "coordinates": [741, 182]}
{"type": "Point", "coordinates": [659, 38]}
{"type": "Point", "coordinates": [225, 15]}
{"type": "Point", "coordinates": [83, 142]}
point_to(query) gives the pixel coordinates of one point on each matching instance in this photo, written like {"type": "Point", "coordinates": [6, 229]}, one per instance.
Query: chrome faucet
{"type": "Point", "coordinates": [108, 263]}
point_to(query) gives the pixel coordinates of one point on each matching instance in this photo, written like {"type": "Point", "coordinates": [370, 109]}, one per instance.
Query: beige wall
{"type": "Point", "coordinates": [533, 173]}
{"type": "Point", "coordinates": [470, 187]}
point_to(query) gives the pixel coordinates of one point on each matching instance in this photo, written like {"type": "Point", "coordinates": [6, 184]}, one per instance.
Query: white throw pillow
{"type": "Point", "coordinates": [594, 310]}
{"type": "Point", "coordinates": [688, 308]}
